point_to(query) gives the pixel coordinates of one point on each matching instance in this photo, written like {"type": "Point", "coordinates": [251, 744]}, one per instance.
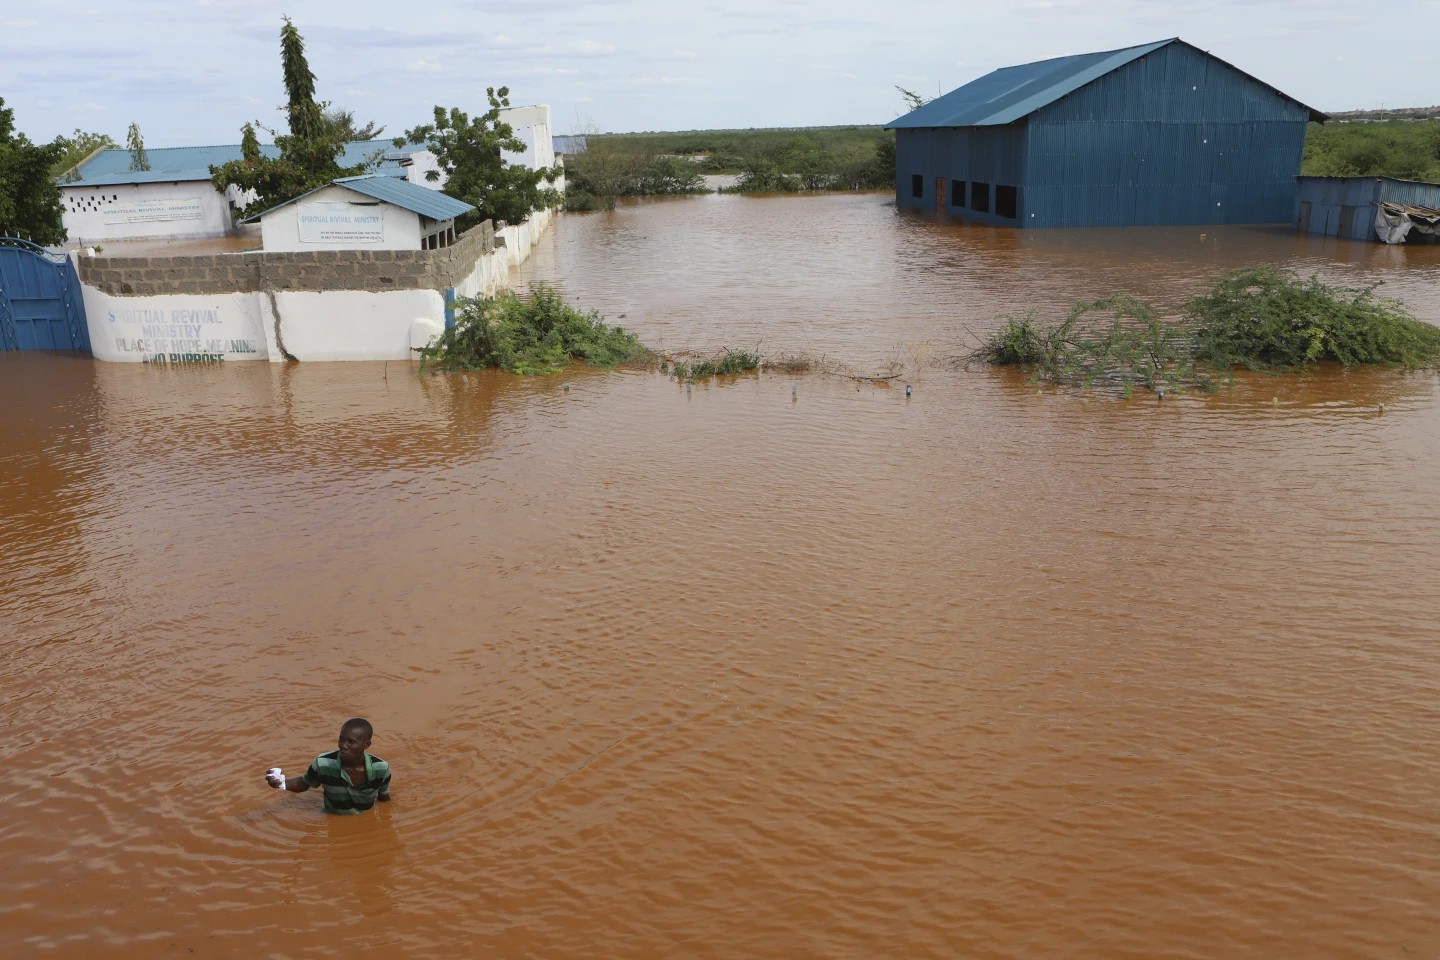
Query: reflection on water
{"type": "Point", "coordinates": [780, 666]}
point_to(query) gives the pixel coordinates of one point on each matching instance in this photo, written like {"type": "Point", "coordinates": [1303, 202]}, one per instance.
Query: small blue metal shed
{"type": "Point", "coordinates": [1161, 133]}
{"type": "Point", "coordinates": [1347, 207]}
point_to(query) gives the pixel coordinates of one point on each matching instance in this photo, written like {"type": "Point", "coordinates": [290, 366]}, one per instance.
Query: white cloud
{"type": "Point", "coordinates": [720, 67]}
{"type": "Point", "coordinates": [589, 48]}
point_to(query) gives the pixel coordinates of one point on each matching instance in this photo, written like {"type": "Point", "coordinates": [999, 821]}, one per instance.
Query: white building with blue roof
{"type": "Point", "coordinates": [104, 199]}
{"type": "Point", "coordinates": [370, 212]}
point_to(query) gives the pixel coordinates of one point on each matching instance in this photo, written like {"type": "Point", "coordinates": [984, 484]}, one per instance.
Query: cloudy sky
{"type": "Point", "coordinates": [192, 71]}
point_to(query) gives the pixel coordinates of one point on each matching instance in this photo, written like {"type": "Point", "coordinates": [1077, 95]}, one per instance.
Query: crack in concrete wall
{"type": "Point", "coordinates": [279, 337]}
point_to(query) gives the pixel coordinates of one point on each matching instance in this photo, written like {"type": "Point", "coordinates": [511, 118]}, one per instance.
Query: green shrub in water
{"type": "Point", "coordinates": [1018, 342]}
{"type": "Point", "coordinates": [1132, 346]}
{"type": "Point", "coordinates": [726, 363]}
{"type": "Point", "coordinates": [1265, 317]}
{"type": "Point", "coordinates": [1259, 318]}
{"type": "Point", "coordinates": [536, 334]}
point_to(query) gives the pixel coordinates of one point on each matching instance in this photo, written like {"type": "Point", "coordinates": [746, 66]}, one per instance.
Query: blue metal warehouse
{"type": "Point", "coordinates": [1161, 133]}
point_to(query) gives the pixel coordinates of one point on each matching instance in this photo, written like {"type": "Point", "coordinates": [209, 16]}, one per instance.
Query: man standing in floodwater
{"type": "Point", "coordinates": [352, 779]}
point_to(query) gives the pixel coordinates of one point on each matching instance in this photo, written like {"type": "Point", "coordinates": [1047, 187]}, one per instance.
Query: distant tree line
{"type": "Point", "coordinates": [763, 161]}
{"type": "Point", "coordinates": [1408, 150]}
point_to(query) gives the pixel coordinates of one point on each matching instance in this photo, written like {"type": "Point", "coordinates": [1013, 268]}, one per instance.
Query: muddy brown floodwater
{"type": "Point", "coordinates": [776, 667]}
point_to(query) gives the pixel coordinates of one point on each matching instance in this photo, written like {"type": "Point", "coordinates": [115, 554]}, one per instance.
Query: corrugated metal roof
{"type": "Point", "coordinates": [411, 196]}
{"type": "Point", "coordinates": [401, 193]}
{"type": "Point", "coordinates": [1010, 93]}
{"type": "Point", "coordinates": [193, 163]}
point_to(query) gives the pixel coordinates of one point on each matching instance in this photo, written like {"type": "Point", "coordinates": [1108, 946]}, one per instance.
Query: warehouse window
{"type": "Point", "coordinates": [957, 194]}
{"type": "Point", "coordinates": [917, 185]}
{"type": "Point", "coordinates": [1005, 201]}
{"type": "Point", "coordinates": [979, 196]}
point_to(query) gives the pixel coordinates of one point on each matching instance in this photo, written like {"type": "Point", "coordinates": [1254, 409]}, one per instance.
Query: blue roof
{"type": "Point", "coordinates": [411, 196]}
{"type": "Point", "coordinates": [400, 193]}
{"type": "Point", "coordinates": [1010, 93]}
{"type": "Point", "coordinates": [109, 167]}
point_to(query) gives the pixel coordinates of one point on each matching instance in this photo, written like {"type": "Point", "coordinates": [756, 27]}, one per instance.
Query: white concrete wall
{"type": "Point", "coordinates": [333, 325]}
{"type": "Point", "coordinates": [531, 125]}
{"type": "Point", "coordinates": [190, 208]}
{"type": "Point", "coordinates": [353, 324]}
{"type": "Point", "coordinates": [280, 229]}
{"type": "Point", "coordinates": [181, 328]}
{"type": "Point", "coordinates": [422, 162]}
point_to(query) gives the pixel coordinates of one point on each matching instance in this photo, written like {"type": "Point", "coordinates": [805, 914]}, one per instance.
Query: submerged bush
{"type": "Point", "coordinates": [536, 334]}
{"type": "Point", "coordinates": [1018, 342]}
{"type": "Point", "coordinates": [1133, 345]}
{"type": "Point", "coordinates": [1259, 318]}
{"type": "Point", "coordinates": [577, 199]}
{"type": "Point", "coordinates": [726, 363]}
{"type": "Point", "coordinates": [1263, 317]}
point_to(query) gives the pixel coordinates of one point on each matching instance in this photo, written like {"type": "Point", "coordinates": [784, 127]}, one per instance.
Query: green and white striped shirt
{"type": "Point", "coordinates": [341, 794]}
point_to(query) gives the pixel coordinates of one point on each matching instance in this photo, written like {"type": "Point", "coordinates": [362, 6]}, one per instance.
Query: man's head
{"type": "Point", "coordinates": [355, 739]}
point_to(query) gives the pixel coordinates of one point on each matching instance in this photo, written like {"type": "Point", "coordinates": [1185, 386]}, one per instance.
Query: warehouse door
{"type": "Point", "coordinates": [939, 194]}
{"type": "Point", "coordinates": [40, 304]}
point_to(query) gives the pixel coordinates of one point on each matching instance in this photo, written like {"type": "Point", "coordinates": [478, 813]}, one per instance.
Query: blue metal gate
{"type": "Point", "coordinates": [40, 303]}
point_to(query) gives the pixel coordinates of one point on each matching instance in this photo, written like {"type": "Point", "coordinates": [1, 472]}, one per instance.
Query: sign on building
{"type": "Point", "coordinates": [341, 223]}
{"type": "Point", "coordinates": [153, 211]}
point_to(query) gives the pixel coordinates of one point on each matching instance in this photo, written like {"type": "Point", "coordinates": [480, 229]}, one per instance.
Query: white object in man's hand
{"type": "Point", "coordinates": [275, 778]}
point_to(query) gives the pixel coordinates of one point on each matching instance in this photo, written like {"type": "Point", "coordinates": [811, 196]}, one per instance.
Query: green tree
{"type": "Point", "coordinates": [1404, 149]}
{"type": "Point", "coordinates": [882, 165]}
{"type": "Point", "coordinates": [76, 148]}
{"type": "Point", "coordinates": [309, 153]}
{"type": "Point", "coordinates": [303, 113]}
{"type": "Point", "coordinates": [341, 124]}
{"type": "Point", "coordinates": [135, 143]}
{"type": "Point", "coordinates": [670, 175]}
{"type": "Point", "coordinates": [913, 100]}
{"type": "Point", "coordinates": [813, 166]}
{"type": "Point", "coordinates": [29, 195]}
{"type": "Point", "coordinates": [607, 168]}
{"type": "Point", "coordinates": [249, 143]}
{"type": "Point", "coordinates": [468, 153]}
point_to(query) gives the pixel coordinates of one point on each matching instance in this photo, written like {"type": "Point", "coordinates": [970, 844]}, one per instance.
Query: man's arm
{"type": "Point", "coordinates": [292, 784]}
